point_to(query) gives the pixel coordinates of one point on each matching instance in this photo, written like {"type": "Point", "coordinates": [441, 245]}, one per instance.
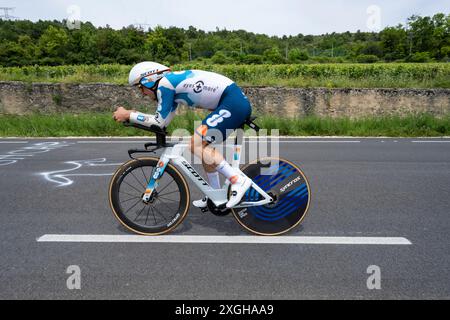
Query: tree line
{"type": "Point", "coordinates": [22, 43]}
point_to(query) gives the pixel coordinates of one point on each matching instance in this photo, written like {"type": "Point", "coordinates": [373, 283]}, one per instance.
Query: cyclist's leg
{"type": "Point", "coordinates": [231, 114]}
{"type": "Point", "coordinates": [234, 109]}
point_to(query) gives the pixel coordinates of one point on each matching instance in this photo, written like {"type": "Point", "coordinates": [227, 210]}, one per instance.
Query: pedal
{"type": "Point", "coordinates": [205, 210]}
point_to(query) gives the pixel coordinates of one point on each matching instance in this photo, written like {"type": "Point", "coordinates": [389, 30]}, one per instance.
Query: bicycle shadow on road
{"type": "Point", "coordinates": [198, 223]}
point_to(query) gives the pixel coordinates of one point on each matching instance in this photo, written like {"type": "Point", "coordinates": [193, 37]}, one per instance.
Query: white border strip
{"type": "Point", "coordinates": [13, 142]}
{"type": "Point", "coordinates": [224, 239]}
{"type": "Point", "coordinates": [259, 141]}
{"type": "Point", "coordinates": [105, 142]}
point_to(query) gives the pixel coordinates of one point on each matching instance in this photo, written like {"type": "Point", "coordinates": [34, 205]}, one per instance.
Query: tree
{"type": "Point", "coordinates": [53, 45]}
{"type": "Point", "coordinates": [394, 42]}
{"type": "Point", "coordinates": [220, 58]}
{"type": "Point", "coordinates": [159, 47]}
{"type": "Point", "coordinates": [274, 56]}
{"type": "Point", "coordinates": [51, 42]}
{"type": "Point", "coordinates": [296, 56]}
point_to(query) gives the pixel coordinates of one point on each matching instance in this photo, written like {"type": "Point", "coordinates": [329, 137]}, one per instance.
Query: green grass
{"type": "Point", "coordinates": [379, 75]}
{"type": "Point", "coordinates": [66, 125]}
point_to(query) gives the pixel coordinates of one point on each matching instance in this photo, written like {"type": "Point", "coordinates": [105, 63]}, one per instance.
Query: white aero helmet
{"type": "Point", "coordinates": [147, 74]}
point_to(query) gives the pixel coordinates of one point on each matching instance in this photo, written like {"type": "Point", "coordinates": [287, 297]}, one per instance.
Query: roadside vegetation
{"type": "Point", "coordinates": [52, 43]}
{"type": "Point", "coordinates": [102, 125]}
{"type": "Point", "coordinates": [380, 75]}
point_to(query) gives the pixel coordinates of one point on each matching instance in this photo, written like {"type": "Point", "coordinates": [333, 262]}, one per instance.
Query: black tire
{"type": "Point", "coordinates": [131, 180]}
{"type": "Point", "coordinates": [290, 187]}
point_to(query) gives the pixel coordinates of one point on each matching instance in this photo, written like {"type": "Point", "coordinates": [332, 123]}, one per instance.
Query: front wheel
{"type": "Point", "coordinates": [166, 209]}
{"type": "Point", "coordinates": [289, 187]}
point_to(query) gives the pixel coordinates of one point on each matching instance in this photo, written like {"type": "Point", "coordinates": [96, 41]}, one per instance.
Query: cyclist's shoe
{"type": "Point", "coordinates": [240, 185]}
{"type": "Point", "coordinates": [201, 204]}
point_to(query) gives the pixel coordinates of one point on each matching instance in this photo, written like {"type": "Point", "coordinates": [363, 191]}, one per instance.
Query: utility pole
{"type": "Point", "coordinates": [190, 51]}
{"type": "Point", "coordinates": [6, 15]}
{"type": "Point", "coordinates": [410, 42]}
{"type": "Point", "coordinates": [287, 50]}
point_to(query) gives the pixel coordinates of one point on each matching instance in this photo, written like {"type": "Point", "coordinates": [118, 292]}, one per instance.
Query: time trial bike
{"type": "Point", "coordinates": [150, 195]}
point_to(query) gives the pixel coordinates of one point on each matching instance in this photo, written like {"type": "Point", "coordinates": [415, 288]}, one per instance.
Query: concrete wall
{"type": "Point", "coordinates": [23, 98]}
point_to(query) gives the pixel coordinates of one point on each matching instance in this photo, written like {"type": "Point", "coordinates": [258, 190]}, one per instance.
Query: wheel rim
{"type": "Point", "coordinates": [152, 215]}
{"type": "Point", "coordinates": [288, 184]}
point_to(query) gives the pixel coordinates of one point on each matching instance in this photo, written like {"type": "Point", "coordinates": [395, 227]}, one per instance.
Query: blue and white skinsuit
{"type": "Point", "coordinates": [200, 89]}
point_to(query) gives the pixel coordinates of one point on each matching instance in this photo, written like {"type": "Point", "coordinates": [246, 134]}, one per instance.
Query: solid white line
{"type": "Point", "coordinates": [318, 141]}
{"type": "Point", "coordinates": [105, 142]}
{"type": "Point", "coordinates": [224, 239]}
{"type": "Point", "coordinates": [13, 142]}
{"type": "Point", "coordinates": [260, 141]}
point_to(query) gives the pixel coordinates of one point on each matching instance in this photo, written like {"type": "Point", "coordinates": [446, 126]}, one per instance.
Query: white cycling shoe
{"type": "Point", "coordinates": [201, 204]}
{"type": "Point", "coordinates": [238, 190]}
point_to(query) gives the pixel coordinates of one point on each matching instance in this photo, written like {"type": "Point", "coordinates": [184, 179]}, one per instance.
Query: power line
{"type": "Point", "coordinates": [6, 15]}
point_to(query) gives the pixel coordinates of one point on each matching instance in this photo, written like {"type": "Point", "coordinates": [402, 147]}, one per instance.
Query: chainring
{"type": "Point", "coordinates": [220, 212]}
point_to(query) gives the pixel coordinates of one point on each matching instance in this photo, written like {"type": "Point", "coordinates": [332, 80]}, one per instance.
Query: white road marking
{"type": "Point", "coordinates": [13, 142]}
{"type": "Point", "coordinates": [61, 177]}
{"type": "Point", "coordinates": [430, 141]}
{"type": "Point", "coordinates": [248, 141]}
{"type": "Point", "coordinates": [316, 141]}
{"type": "Point", "coordinates": [224, 239]}
{"type": "Point", "coordinates": [106, 142]}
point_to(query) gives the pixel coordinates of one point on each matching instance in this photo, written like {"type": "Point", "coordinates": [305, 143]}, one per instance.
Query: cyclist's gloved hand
{"type": "Point", "coordinates": [122, 115]}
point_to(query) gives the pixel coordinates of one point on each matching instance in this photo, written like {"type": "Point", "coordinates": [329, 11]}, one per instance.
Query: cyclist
{"type": "Point", "coordinates": [199, 89]}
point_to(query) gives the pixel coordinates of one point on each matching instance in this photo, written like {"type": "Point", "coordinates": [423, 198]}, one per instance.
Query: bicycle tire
{"type": "Point", "coordinates": [175, 219]}
{"type": "Point", "coordinates": [292, 200]}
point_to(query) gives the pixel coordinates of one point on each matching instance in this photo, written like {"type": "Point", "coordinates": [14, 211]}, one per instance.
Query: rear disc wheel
{"type": "Point", "coordinates": [287, 185]}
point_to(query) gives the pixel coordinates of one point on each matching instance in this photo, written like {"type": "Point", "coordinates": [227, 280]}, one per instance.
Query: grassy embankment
{"type": "Point", "coordinates": [103, 125]}
{"type": "Point", "coordinates": [433, 75]}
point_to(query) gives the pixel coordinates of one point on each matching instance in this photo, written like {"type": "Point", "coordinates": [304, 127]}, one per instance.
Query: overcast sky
{"type": "Point", "coordinates": [281, 17]}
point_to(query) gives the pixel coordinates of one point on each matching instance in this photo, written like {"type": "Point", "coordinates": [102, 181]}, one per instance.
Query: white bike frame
{"type": "Point", "coordinates": [174, 155]}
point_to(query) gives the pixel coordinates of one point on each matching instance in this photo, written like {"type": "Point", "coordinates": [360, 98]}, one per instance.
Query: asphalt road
{"type": "Point", "coordinates": [361, 188]}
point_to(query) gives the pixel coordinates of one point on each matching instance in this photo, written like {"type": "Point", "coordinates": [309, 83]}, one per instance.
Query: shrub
{"type": "Point", "coordinates": [367, 58]}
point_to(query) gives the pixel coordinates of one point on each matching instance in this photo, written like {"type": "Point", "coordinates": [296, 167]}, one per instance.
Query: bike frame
{"type": "Point", "coordinates": [174, 155]}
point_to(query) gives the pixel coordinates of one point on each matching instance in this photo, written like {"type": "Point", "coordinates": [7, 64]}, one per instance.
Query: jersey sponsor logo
{"type": "Point", "coordinates": [218, 118]}
{"type": "Point", "coordinates": [199, 87]}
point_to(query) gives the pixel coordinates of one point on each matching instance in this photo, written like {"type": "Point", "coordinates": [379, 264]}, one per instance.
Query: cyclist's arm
{"type": "Point", "coordinates": [165, 111]}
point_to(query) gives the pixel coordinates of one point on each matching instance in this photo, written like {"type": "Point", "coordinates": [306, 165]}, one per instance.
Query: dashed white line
{"type": "Point", "coordinates": [429, 141]}
{"type": "Point", "coordinates": [224, 240]}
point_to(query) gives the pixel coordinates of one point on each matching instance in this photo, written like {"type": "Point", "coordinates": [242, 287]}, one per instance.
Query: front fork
{"type": "Point", "coordinates": [157, 173]}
